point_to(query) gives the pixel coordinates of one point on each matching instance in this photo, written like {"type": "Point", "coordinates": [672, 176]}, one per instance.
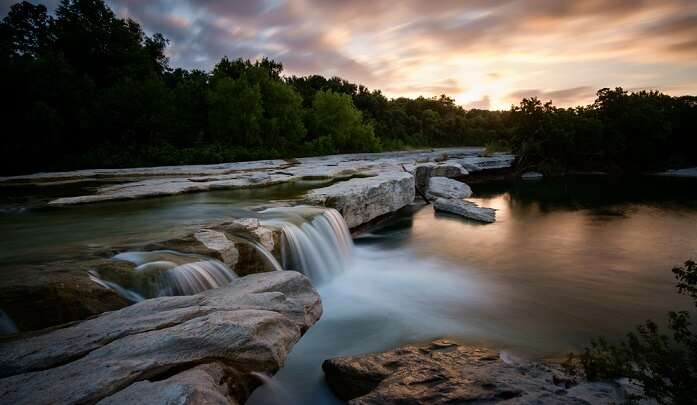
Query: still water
{"type": "Point", "coordinates": [567, 260]}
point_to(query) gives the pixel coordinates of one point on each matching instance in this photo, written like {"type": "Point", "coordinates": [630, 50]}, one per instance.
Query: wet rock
{"type": "Point", "coordinates": [449, 373]}
{"type": "Point", "coordinates": [447, 188]}
{"type": "Point", "coordinates": [465, 209]}
{"type": "Point", "coordinates": [360, 200]}
{"type": "Point", "coordinates": [206, 346]}
{"type": "Point", "coordinates": [39, 296]}
{"type": "Point", "coordinates": [532, 176]}
{"type": "Point", "coordinates": [489, 162]}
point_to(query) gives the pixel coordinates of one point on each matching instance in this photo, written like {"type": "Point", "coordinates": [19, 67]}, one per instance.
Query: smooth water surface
{"type": "Point", "coordinates": [567, 260]}
{"type": "Point", "coordinates": [34, 232]}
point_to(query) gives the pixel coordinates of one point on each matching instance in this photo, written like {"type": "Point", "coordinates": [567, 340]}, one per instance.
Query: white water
{"type": "Point", "coordinates": [315, 241]}
{"type": "Point", "coordinates": [165, 273]}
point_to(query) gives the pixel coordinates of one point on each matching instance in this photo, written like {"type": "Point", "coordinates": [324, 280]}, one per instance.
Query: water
{"type": "Point", "coordinates": [315, 241]}
{"type": "Point", "coordinates": [567, 260]}
{"type": "Point", "coordinates": [35, 233]}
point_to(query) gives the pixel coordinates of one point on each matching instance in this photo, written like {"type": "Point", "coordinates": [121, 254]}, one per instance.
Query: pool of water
{"type": "Point", "coordinates": [34, 232]}
{"type": "Point", "coordinates": [567, 260]}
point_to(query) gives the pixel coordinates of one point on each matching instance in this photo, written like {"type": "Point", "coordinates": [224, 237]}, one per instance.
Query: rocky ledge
{"type": "Point", "coordinates": [363, 199]}
{"type": "Point", "coordinates": [444, 372]}
{"type": "Point", "coordinates": [197, 349]}
{"type": "Point", "coordinates": [466, 209]}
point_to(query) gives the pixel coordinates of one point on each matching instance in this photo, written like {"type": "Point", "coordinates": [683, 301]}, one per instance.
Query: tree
{"type": "Point", "coordinates": [335, 119]}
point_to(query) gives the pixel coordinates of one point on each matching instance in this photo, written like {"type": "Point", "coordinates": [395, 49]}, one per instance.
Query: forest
{"type": "Point", "coordinates": [84, 88]}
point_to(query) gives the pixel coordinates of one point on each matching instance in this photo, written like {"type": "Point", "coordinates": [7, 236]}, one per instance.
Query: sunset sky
{"type": "Point", "coordinates": [485, 54]}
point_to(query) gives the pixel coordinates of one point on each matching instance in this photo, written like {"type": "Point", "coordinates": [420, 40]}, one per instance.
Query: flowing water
{"type": "Point", "coordinates": [567, 260]}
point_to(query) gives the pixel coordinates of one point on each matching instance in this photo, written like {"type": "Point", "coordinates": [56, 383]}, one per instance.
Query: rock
{"type": "Point", "coordinates": [490, 162]}
{"type": "Point", "coordinates": [360, 200]}
{"type": "Point", "coordinates": [447, 188]}
{"type": "Point", "coordinates": [687, 172]}
{"type": "Point", "coordinates": [449, 373]}
{"type": "Point", "coordinates": [207, 384]}
{"type": "Point", "coordinates": [39, 296]}
{"type": "Point", "coordinates": [205, 346]}
{"type": "Point", "coordinates": [219, 243]}
{"type": "Point", "coordinates": [465, 209]}
{"type": "Point", "coordinates": [137, 183]}
{"type": "Point", "coordinates": [422, 173]}
{"type": "Point", "coordinates": [448, 169]}
{"type": "Point", "coordinates": [531, 176]}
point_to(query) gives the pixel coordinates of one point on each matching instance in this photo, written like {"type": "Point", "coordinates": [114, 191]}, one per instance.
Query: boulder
{"type": "Point", "coordinates": [488, 162]}
{"type": "Point", "coordinates": [465, 209]}
{"type": "Point", "coordinates": [447, 188]}
{"type": "Point", "coordinates": [360, 200]}
{"type": "Point", "coordinates": [206, 346]}
{"type": "Point", "coordinates": [422, 173]}
{"type": "Point", "coordinates": [448, 169]}
{"type": "Point", "coordinates": [531, 176]}
{"type": "Point", "coordinates": [444, 372]}
{"type": "Point", "coordinates": [39, 296]}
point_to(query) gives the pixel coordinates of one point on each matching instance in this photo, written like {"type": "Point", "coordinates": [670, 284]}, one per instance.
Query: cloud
{"type": "Point", "coordinates": [485, 50]}
{"type": "Point", "coordinates": [563, 97]}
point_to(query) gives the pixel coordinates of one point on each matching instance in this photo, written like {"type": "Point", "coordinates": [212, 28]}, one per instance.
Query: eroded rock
{"type": "Point", "coordinates": [360, 200]}
{"type": "Point", "coordinates": [444, 372]}
{"type": "Point", "coordinates": [155, 347]}
{"type": "Point", "coordinates": [465, 209]}
{"type": "Point", "coordinates": [447, 188]}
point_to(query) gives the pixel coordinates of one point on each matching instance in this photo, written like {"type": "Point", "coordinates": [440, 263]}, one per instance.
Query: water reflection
{"type": "Point", "coordinates": [566, 261]}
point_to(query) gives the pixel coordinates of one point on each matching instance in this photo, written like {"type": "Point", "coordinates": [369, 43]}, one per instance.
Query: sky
{"type": "Point", "coordinates": [484, 53]}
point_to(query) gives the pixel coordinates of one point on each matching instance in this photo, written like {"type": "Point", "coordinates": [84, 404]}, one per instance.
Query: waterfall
{"type": "Point", "coordinates": [164, 273]}
{"type": "Point", "coordinates": [314, 241]}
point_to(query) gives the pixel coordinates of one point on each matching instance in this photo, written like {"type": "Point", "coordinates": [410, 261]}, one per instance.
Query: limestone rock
{"type": "Point", "coordinates": [447, 188]}
{"type": "Point", "coordinates": [449, 169]}
{"type": "Point", "coordinates": [360, 200]}
{"type": "Point", "coordinates": [156, 346]}
{"type": "Point", "coordinates": [465, 209]}
{"type": "Point", "coordinates": [531, 176]}
{"type": "Point", "coordinates": [448, 373]}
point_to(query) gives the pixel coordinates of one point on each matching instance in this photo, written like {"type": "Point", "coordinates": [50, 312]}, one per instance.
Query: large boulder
{"type": "Point", "coordinates": [465, 209]}
{"type": "Point", "coordinates": [360, 200]}
{"type": "Point", "coordinates": [447, 188]}
{"type": "Point", "coordinates": [449, 169]}
{"type": "Point", "coordinates": [449, 373]}
{"type": "Point", "coordinates": [39, 296]}
{"type": "Point", "coordinates": [207, 345]}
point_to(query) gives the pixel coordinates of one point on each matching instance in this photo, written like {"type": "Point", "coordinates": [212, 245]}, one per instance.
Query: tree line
{"type": "Point", "coordinates": [86, 89]}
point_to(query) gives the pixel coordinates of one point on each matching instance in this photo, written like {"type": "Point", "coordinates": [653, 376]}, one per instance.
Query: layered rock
{"type": "Point", "coordinates": [449, 373]}
{"type": "Point", "coordinates": [360, 200]}
{"type": "Point", "coordinates": [465, 209]}
{"type": "Point", "coordinates": [447, 188]}
{"type": "Point", "coordinates": [205, 346]}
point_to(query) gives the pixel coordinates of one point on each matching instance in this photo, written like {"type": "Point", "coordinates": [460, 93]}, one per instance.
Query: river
{"type": "Point", "coordinates": [567, 260]}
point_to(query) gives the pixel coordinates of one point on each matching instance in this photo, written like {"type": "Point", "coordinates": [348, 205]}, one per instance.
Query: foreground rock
{"type": "Point", "coordinates": [448, 373]}
{"type": "Point", "coordinates": [465, 209]}
{"type": "Point", "coordinates": [447, 188]}
{"type": "Point", "coordinates": [205, 346]}
{"type": "Point", "coordinates": [39, 296]}
{"type": "Point", "coordinates": [360, 200]}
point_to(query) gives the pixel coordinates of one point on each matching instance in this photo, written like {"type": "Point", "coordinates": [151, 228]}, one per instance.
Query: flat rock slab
{"type": "Point", "coordinates": [444, 372]}
{"type": "Point", "coordinates": [687, 172]}
{"type": "Point", "coordinates": [465, 209]}
{"type": "Point", "coordinates": [447, 188]}
{"type": "Point", "coordinates": [360, 200]}
{"type": "Point", "coordinates": [531, 176]}
{"type": "Point", "coordinates": [207, 345]}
